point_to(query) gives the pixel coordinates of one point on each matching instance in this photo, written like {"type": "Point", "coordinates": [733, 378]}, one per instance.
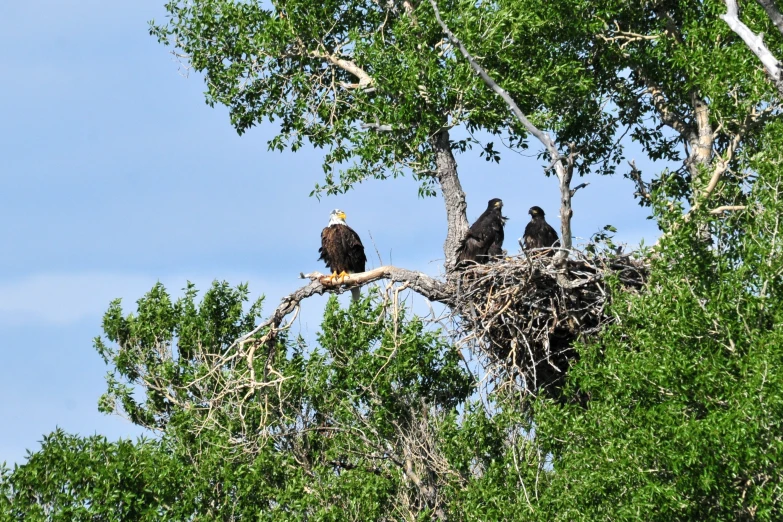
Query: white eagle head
{"type": "Point", "coordinates": [337, 217]}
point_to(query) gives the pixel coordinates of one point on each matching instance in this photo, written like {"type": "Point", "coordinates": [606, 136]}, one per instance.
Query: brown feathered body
{"type": "Point", "coordinates": [341, 249]}
{"type": "Point", "coordinates": [484, 239]}
{"type": "Point", "coordinates": [539, 234]}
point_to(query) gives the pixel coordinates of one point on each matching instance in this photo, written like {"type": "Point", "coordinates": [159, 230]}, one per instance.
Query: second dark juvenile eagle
{"type": "Point", "coordinates": [484, 239]}
{"type": "Point", "coordinates": [539, 233]}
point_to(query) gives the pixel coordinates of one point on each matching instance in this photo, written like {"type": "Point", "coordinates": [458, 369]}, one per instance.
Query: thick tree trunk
{"type": "Point", "coordinates": [563, 167]}
{"type": "Point", "coordinates": [453, 197]}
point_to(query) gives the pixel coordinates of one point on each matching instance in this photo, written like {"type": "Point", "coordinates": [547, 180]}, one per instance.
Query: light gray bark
{"type": "Point", "coordinates": [563, 168]}
{"type": "Point", "coordinates": [453, 196]}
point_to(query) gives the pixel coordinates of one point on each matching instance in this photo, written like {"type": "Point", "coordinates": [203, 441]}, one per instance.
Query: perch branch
{"type": "Point", "coordinates": [563, 168]}
{"type": "Point", "coordinates": [319, 284]}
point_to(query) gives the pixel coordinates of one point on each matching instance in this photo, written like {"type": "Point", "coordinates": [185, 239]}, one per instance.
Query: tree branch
{"type": "Point", "coordinates": [773, 12]}
{"type": "Point", "coordinates": [365, 80]}
{"type": "Point", "coordinates": [755, 42]}
{"type": "Point", "coordinates": [420, 282]}
{"type": "Point", "coordinates": [563, 169]}
{"type": "Point", "coordinates": [726, 208]}
{"type": "Point", "coordinates": [641, 187]}
{"type": "Point", "coordinates": [453, 196]}
{"type": "Point", "coordinates": [668, 117]}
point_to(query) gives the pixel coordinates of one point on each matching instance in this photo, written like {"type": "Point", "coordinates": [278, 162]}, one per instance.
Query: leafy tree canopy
{"type": "Point", "coordinates": [672, 412]}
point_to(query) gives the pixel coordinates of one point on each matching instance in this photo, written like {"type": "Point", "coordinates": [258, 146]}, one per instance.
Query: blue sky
{"type": "Point", "coordinates": [115, 174]}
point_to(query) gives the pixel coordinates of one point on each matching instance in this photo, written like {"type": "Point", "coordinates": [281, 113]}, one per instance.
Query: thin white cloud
{"type": "Point", "coordinates": [66, 298]}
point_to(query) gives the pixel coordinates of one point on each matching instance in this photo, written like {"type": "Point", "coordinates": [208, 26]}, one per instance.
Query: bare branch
{"type": "Point", "coordinates": [580, 186]}
{"type": "Point", "coordinates": [319, 284]}
{"type": "Point", "coordinates": [420, 282]}
{"type": "Point", "coordinates": [755, 42]}
{"type": "Point", "coordinates": [641, 187]}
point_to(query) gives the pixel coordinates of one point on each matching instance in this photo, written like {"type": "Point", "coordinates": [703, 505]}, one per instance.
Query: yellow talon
{"type": "Point", "coordinates": [342, 275]}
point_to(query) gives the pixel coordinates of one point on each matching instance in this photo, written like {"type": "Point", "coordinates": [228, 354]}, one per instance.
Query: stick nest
{"type": "Point", "coordinates": [524, 313]}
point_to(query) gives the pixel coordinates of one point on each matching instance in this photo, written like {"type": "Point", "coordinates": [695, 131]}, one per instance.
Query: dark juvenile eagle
{"type": "Point", "coordinates": [538, 233]}
{"type": "Point", "coordinates": [484, 239]}
{"type": "Point", "coordinates": [341, 249]}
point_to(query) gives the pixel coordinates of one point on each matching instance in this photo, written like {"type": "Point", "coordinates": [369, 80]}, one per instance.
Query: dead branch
{"type": "Point", "coordinates": [580, 186]}
{"type": "Point", "coordinates": [563, 167]}
{"type": "Point", "coordinates": [641, 187]}
{"type": "Point", "coordinates": [423, 284]}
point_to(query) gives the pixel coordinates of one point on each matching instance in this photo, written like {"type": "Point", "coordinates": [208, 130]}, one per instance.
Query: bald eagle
{"type": "Point", "coordinates": [341, 249]}
{"type": "Point", "coordinates": [485, 237]}
{"type": "Point", "coordinates": [538, 233]}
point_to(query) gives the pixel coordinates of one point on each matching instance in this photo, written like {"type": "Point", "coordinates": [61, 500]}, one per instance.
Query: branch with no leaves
{"type": "Point", "coordinates": [421, 283]}
{"type": "Point", "coordinates": [755, 42]}
{"type": "Point", "coordinates": [641, 186]}
{"type": "Point", "coordinates": [563, 167]}
{"type": "Point", "coordinates": [580, 186]}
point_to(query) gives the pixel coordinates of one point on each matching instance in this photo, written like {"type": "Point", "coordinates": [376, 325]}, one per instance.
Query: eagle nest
{"type": "Point", "coordinates": [524, 313]}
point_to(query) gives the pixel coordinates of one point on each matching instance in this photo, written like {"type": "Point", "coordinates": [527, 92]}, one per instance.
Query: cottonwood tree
{"type": "Point", "coordinates": [669, 410]}
{"type": "Point", "coordinates": [380, 86]}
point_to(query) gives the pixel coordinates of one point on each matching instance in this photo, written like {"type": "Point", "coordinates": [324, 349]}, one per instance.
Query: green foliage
{"type": "Point", "coordinates": [334, 73]}
{"type": "Point", "coordinates": [684, 406]}
{"type": "Point", "coordinates": [326, 70]}
{"type": "Point", "coordinates": [168, 346]}
{"type": "Point", "coordinates": [678, 405]}
{"type": "Point", "coordinates": [80, 479]}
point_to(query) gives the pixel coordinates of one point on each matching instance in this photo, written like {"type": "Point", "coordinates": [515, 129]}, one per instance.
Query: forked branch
{"type": "Point", "coordinates": [563, 166]}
